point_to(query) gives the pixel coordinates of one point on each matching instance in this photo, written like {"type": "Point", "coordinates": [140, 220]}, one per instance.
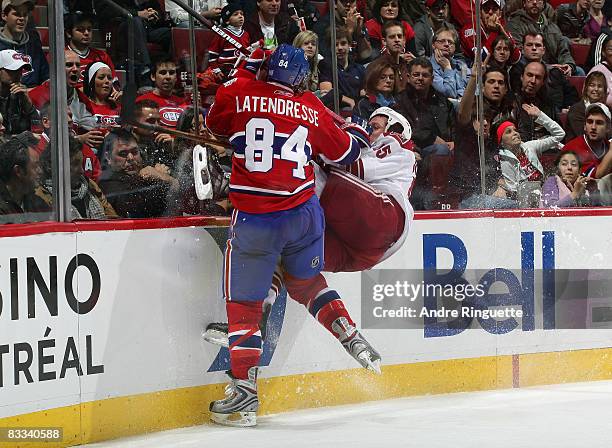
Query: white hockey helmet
{"type": "Point", "coordinates": [394, 117]}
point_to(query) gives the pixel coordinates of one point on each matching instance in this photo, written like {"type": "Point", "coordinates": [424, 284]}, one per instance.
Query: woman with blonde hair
{"type": "Point", "coordinates": [309, 42]}
{"type": "Point", "coordinates": [595, 90]}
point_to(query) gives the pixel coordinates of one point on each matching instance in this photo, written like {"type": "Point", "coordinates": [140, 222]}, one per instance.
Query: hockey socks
{"type": "Point", "coordinates": [244, 336]}
{"type": "Point", "coordinates": [323, 303]}
{"type": "Point", "coordinates": [329, 310]}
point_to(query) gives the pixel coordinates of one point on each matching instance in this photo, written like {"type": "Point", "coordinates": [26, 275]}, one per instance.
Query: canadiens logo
{"type": "Point", "coordinates": [25, 58]}
{"type": "Point", "coordinates": [170, 114]}
{"type": "Point", "coordinates": [106, 120]}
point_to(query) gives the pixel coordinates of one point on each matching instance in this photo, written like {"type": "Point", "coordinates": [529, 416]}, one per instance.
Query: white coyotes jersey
{"type": "Point", "coordinates": [391, 169]}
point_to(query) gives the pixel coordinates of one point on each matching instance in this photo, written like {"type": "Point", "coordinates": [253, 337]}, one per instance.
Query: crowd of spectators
{"type": "Point", "coordinates": [545, 132]}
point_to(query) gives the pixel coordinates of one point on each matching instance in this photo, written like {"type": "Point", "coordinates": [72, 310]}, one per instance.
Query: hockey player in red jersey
{"type": "Point", "coordinates": [275, 132]}
{"type": "Point", "coordinates": [374, 200]}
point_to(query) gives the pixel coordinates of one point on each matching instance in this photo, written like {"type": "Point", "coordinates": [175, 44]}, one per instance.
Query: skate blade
{"type": "Point", "coordinates": [216, 338]}
{"type": "Point", "coordinates": [238, 419]}
{"type": "Point", "coordinates": [369, 364]}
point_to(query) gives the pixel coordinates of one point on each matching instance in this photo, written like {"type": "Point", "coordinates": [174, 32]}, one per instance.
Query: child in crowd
{"type": "Point", "coordinates": [222, 53]}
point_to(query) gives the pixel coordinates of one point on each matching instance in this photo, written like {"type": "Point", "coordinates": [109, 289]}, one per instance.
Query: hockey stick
{"type": "Point", "coordinates": [186, 135]}
{"type": "Point", "coordinates": [219, 31]}
{"type": "Point", "coordinates": [213, 27]}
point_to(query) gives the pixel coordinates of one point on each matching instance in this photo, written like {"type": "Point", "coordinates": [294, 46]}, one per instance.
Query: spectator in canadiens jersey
{"type": "Point", "coordinates": [171, 106]}
{"type": "Point", "coordinates": [79, 32]}
{"type": "Point", "coordinates": [15, 104]}
{"type": "Point", "coordinates": [593, 148]}
{"type": "Point", "coordinates": [14, 36]}
{"type": "Point", "coordinates": [595, 90]}
{"type": "Point", "coordinates": [91, 164]}
{"type": "Point", "coordinates": [105, 100]}
{"type": "Point", "coordinates": [275, 132]}
{"type": "Point", "coordinates": [222, 53]}
{"type": "Point", "coordinates": [77, 101]}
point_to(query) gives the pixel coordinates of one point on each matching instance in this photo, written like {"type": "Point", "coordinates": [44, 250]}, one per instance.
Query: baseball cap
{"type": "Point", "coordinates": [600, 107]}
{"type": "Point", "coordinates": [499, 3]}
{"type": "Point", "coordinates": [6, 3]}
{"type": "Point", "coordinates": [431, 3]}
{"type": "Point", "coordinates": [11, 60]}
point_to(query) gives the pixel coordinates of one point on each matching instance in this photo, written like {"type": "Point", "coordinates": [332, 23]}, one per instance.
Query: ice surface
{"type": "Point", "coordinates": [561, 416]}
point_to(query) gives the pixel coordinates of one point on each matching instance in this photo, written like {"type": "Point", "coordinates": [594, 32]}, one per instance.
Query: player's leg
{"type": "Point", "coordinates": [327, 307]}
{"type": "Point", "coordinates": [361, 221]}
{"type": "Point", "coordinates": [216, 332]}
{"type": "Point", "coordinates": [251, 254]}
{"type": "Point", "coordinates": [300, 260]}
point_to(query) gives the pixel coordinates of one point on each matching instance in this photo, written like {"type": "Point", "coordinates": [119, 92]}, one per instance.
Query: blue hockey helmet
{"type": "Point", "coordinates": [288, 65]}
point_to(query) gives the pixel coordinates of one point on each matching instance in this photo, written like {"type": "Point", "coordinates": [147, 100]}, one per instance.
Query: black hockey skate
{"type": "Point", "coordinates": [356, 345]}
{"type": "Point", "coordinates": [239, 407]}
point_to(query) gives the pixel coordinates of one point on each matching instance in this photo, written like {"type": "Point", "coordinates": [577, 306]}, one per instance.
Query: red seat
{"type": "Point", "coordinates": [180, 43]}
{"type": "Point", "coordinates": [556, 3]}
{"type": "Point", "coordinates": [580, 53]}
{"type": "Point", "coordinates": [321, 6]}
{"type": "Point", "coordinates": [577, 82]}
{"type": "Point", "coordinates": [44, 35]}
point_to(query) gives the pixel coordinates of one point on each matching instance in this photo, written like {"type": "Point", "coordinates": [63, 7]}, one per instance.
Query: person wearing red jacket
{"type": "Point", "coordinates": [492, 25]}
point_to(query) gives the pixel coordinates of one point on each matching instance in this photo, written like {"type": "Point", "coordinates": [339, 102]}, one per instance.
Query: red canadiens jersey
{"type": "Point", "coordinates": [275, 134]}
{"type": "Point", "coordinates": [467, 36]}
{"type": "Point", "coordinates": [91, 164]}
{"type": "Point", "coordinates": [106, 117]}
{"type": "Point", "coordinates": [94, 55]}
{"type": "Point", "coordinates": [170, 108]}
{"type": "Point", "coordinates": [588, 159]}
{"type": "Point", "coordinates": [222, 52]}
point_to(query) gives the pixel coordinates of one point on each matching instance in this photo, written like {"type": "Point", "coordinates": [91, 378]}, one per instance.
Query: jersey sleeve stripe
{"type": "Point", "coordinates": [349, 156]}
{"type": "Point", "coordinates": [266, 192]}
